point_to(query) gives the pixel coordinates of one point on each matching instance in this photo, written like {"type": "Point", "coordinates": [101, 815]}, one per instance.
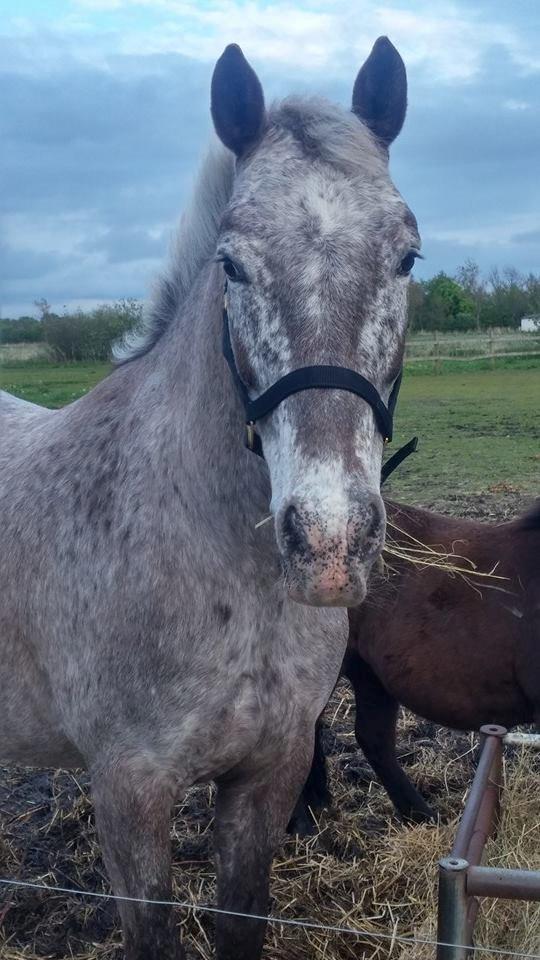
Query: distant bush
{"type": "Point", "coordinates": [23, 330]}
{"type": "Point", "coordinates": [90, 336]}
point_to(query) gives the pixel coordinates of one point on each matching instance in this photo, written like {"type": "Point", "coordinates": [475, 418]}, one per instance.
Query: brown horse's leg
{"type": "Point", "coordinates": [315, 795]}
{"type": "Point", "coordinates": [133, 809]}
{"type": "Point", "coordinates": [376, 716]}
{"type": "Point", "coordinates": [251, 815]}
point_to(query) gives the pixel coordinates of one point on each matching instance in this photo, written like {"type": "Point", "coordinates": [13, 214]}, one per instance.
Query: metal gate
{"type": "Point", "coordinates": [462, 879]}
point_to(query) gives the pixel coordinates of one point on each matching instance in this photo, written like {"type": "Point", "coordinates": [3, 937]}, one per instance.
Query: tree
{"type": "Point", "coordinates": [416, 297]}
{"type": "Point", "coordinates": [470, 279]}
{"type": "Point", "coordinates": [90, 336]}
{"type": "Point", "coordinates": [445, 306]}
{"type": "Point", "coordinates": [43, 307]}
{"type": "Point", "coordinates": [509, 300]}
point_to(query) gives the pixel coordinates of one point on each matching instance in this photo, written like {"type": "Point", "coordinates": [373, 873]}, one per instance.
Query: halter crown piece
{"type": "Point", "coordinates": [320, 377]}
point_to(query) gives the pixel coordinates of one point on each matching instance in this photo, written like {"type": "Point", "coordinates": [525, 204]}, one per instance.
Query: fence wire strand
{"type": "Point", "coordinates": [283, 921]}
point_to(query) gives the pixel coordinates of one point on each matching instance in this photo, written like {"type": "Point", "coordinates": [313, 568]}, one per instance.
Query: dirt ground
{"type": "Point", "coordinates": [363, 869]}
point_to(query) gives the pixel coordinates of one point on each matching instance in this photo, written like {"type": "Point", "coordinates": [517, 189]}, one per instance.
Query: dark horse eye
{"type": "Point", "coordinates": [231, 270]}
{"type": "Point", "coordinates": [407, 263]}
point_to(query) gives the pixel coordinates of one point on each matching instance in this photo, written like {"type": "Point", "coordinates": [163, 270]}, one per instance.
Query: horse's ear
{"type": "Point", "coordinates": [237, 101]}
{"type": "Point", "coordinates": [380, 91]}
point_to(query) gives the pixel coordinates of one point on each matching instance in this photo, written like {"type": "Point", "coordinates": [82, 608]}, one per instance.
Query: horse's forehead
{"type": "Point", "coordinates": [313, 199]}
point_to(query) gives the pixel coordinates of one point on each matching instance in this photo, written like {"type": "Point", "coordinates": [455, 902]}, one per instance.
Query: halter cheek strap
{"type": "Point", "coordinates": [317, 377]}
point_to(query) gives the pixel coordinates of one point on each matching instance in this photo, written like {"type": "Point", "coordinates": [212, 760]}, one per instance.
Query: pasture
{"type": "Point", "coordinates": [479, 456]}
{"type": "Point", "coordinates": [479, 427]}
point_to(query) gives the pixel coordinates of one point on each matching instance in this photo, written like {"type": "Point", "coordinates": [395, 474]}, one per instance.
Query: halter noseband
{"type": "Point", "coordinates": [319, 377]}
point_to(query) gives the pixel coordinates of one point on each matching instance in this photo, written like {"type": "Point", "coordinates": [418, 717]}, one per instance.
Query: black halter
{"type": "Point", "coordinates": [316, 377]}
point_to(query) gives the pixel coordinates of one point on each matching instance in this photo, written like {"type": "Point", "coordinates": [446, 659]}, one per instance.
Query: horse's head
{"type": "Point", "coordinates": [317, 246]}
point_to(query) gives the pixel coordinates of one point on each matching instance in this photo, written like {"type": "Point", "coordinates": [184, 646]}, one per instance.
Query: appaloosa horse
{"type": "Point", "coordinates": [149, 630]}
{"type": "Point", "coordinates": [460, 650]}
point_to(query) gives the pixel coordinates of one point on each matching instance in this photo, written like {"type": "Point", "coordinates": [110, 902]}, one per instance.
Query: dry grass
{"type": "Point", "coordinates": [403, 546]}
{"type": "Point", "coordinates": [23, 351]}
{"type": "Point", "coordinates": [363, 870]}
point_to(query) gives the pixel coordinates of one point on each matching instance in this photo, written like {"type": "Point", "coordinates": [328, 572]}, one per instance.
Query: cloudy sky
{"type": "Point", "coordinates": [104, 116]}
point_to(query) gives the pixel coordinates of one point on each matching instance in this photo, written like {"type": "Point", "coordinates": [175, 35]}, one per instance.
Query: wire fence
{"type": "Point", "coordinates": [391, 938]}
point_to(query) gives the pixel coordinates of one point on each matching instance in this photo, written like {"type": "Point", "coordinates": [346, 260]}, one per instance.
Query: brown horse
{"type": "Point", "coordinates": [460, 650]}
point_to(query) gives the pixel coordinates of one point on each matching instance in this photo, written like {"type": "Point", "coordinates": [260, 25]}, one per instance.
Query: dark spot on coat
{"type": "Point", "coordinates": [223, 613]}
{"type": "Point", "coordinates": [440, 598]}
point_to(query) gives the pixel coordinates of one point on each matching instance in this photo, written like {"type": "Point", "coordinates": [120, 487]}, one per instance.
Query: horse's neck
{"type": "Point", "coordinates": [199, 415]}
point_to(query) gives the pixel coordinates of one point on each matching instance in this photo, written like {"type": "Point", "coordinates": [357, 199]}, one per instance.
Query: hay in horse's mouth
{"type": "Point", "coordinates": [423, 555]}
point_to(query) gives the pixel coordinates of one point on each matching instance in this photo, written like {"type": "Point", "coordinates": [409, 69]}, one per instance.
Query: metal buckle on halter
{"type": "Point", "coordinates": [250, 428]}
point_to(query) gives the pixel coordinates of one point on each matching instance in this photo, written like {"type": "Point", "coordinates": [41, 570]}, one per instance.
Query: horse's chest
{"type": "Point", "coordinates": [236, 721]}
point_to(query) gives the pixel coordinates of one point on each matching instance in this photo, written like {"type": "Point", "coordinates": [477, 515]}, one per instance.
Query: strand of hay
{"type": "Point", "coordinates": [423, 555]}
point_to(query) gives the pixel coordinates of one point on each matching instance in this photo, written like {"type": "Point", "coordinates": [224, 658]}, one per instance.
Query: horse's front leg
{"type": "Point", "coordinates": [315, 796]}
{"type": "Point", "coordinates": [133, 811]}
{"type": "Point", "coordinates": [252, 810]}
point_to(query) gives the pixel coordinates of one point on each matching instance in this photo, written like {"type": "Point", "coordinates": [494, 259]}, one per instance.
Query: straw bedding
{"type": "Point", "coordinates": [362, 870]}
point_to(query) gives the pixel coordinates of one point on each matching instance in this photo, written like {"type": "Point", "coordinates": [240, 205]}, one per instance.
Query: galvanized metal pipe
{"type": "Point", "coordinates": [491, 750]}
{"type": "Point", "coordinates": [454, 925]}
{"type": "Point", "coordinates": [488, 813]}
{"type": "Point", "coordinates": [503, 884]}
{"type": "Point", "coordinates": [531, 740]}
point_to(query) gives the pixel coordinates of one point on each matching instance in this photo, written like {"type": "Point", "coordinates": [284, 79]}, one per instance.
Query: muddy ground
{"type": "Point", "coordinates": [363, 869]}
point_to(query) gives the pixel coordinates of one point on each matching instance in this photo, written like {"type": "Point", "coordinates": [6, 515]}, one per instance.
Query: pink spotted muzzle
{"type": "Point", "coordinates": [326, 562]}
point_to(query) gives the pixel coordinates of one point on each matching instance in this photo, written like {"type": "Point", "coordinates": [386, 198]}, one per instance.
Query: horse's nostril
{"type": "Point", "coordinates": [293, 531]}
{"type": "Point", "coordinates": [366, 530]}
{"type": "Point", "coordinates": [374, 527]}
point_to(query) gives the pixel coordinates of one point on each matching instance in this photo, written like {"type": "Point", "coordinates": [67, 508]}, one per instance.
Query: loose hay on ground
{"type": "Point", "coordinates": [363, 870]}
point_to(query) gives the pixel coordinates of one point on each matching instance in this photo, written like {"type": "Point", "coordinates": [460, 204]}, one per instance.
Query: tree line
{"type": "Point", "coordinates": [470, 301]}
{"type": "Point", "coordinates": [465, 301]}
{"type": "Point", "coordinates": [79, 335]}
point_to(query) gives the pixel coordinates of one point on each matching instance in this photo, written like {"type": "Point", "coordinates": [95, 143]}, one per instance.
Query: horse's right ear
{"type": "Point", "coordinates": [237, 101]}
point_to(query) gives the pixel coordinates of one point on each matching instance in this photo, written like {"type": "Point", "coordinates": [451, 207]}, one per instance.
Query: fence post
{"type": "Point", "coordinates": [453, 922]}
{"type": "Point", "coordinates": [437, 353]}
{"type": "Point", "coordinates": [491, 347]}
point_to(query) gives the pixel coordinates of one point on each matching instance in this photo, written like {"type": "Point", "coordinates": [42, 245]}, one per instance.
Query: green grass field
{"type": "Point", "coordinates": [51, 384]}
{"type": "Point", "coordinates": [479, 455]}
{"type": "Point", "coordinates": [479, 432]}
{"type": "Point", "coordinates": [479, 428]}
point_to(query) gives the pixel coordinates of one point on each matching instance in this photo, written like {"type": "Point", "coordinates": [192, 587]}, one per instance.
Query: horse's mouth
{"type": "Point", "coordinates": [330, 587]}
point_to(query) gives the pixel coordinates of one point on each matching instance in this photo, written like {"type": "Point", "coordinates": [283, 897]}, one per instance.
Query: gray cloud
{"type": "Point", "coordinates": [531, 238]}
{"type": "Point", "coordinates": [97, 161]}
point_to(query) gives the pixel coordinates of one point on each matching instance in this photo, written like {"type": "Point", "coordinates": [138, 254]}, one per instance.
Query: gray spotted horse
{"type": "Point", "coordinates": [150, 631]}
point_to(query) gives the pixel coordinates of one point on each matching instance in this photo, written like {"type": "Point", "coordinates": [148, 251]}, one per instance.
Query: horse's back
{"type": "Point", "coordinates": [14, 409]}
{"type": "Point", "coordinates": [17, 418]}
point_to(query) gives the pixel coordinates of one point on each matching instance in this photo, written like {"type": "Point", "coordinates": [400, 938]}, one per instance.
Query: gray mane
{"type": "Point", "coordinates": [322, 129]}
{"type": "Point", "coordinates": [192, 247]}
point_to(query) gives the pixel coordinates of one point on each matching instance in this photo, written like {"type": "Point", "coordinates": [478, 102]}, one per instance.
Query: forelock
{"type": "Point", "coordinates": [330, 134]}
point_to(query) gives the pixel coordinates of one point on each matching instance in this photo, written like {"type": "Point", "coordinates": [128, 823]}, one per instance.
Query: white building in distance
{"type": "Point", "coordinates": [530, 324]}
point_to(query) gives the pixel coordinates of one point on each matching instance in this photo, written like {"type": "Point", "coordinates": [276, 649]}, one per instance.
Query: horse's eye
{"type": "Point", "coordinates": [407, 263]}
{"type": "Point", "coordinates": [232, 271]}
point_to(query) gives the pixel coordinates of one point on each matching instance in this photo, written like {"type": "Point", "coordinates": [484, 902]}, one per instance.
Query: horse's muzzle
{"type": "Point", "coordinates": [327, 559]}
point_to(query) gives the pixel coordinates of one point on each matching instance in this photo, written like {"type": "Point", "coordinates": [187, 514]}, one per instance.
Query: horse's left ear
{"type": "Point", "coordinates": [380, 91]}
{"type": "Point", "coordinates": [237, 101]}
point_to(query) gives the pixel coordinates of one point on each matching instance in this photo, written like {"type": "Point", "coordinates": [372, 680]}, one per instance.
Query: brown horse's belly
{"type": "Point", "coordinates": [461, 676]}
{"type": "Point", "coordinates": [446, 712]}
